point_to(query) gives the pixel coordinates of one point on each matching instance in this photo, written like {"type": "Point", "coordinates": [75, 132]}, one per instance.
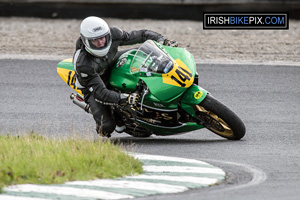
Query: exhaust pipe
{"type": "Point", "coordinates": [78, 100]}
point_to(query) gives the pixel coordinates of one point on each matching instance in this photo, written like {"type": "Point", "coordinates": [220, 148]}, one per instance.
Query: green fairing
{"type": "Point", "coordinates": [120, 77]}
{"type": "Point", "coordinates": [166, 92]}
{"type": "Point", "coordinates": [162, 94]}
{"type": "Point", "coordinates": [188, 99]}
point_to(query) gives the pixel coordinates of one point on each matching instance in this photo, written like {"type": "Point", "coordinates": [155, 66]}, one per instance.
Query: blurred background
{"type": "Point", "coordinates": [133, 9]}
{"type": "Point", "coordinates": [48, 29]}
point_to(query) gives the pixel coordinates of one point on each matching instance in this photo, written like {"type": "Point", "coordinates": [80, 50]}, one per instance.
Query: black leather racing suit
{"type": "Point", "coordinates": [93, 75]}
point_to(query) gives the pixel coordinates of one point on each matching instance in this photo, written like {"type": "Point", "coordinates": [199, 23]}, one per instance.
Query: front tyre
{"type": "Point", "coordinates": [219, 119]}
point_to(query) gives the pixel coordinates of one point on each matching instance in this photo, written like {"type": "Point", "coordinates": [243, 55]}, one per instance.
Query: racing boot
{"type": "Point", "coordinates": [120, 125]}
{"type": "Point", "coordinates": [120, 129]}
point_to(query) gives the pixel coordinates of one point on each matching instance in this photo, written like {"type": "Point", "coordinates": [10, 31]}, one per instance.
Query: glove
{"type": "Point", "coordinates": [170, 43]}
{"type": "Point", "coordinates": [131, 99]}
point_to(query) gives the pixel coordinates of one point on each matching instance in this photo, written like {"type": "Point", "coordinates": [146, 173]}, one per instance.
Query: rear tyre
{"type": "Point", "coordinates": [219, 119]}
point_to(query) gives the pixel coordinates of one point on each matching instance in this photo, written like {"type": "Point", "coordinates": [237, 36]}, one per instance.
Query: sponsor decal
{"type": "Point", "coordinates": [198, 95]}
{"type": "Point", "coordinates": [97, 29]}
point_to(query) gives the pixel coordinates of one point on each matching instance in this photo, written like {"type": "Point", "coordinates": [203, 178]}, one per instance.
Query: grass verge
{"type": "Point", "coordinates": [34, 159]}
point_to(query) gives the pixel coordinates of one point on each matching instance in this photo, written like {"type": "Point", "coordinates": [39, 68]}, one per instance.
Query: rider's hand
{"type": "Point", "coordinates": [131, 99]}
{"type": "Point", "coordinates": [170, 43]}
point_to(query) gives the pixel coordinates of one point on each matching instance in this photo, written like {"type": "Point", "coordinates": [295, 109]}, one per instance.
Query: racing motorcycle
{"type": "Point", "coordinates": [171, 100]}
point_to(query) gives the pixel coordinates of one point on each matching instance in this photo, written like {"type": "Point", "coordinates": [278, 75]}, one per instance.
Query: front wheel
{"type": "Point", "coordinates": [219, 119]}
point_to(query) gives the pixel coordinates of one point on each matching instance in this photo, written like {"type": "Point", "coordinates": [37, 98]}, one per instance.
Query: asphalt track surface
{"type": "Point", "coordinates": [263, 165]}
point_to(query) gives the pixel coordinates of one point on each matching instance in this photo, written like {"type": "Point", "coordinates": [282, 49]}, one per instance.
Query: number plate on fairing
{"type": "Point", "coordinates": [66, 71]}
{"type": "Point", "coordinates": [180, 75]}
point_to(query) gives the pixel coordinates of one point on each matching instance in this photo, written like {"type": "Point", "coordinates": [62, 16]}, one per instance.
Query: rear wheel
{"type": "Point", "coordinates": [219, 119]}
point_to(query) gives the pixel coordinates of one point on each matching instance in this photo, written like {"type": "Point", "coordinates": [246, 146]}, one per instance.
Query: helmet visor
{"type": "Point", "coordinates": [99, 43]}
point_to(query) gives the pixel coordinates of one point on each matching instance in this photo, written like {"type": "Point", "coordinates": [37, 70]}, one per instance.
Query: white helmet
{"type": "Point", "coordinates": [92, 28]}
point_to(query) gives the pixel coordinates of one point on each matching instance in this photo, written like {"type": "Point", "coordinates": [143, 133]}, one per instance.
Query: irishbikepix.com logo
{"type": "Point", "coordinates": [245, 21]}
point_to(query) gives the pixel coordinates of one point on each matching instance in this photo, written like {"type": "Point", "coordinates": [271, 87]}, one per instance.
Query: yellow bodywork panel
{"type": "Point", "coordinates": [69, 77]}
{"type": "Point", "coordinates": [180, 75]}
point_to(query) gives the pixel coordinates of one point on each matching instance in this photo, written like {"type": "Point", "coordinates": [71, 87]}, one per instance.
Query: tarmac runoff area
{"type": "Point", "coordinates": [162, 175]}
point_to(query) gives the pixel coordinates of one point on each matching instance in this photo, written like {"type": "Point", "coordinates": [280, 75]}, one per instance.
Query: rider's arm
{"type": "Point", "coordinates": [90, 80]}
{"type": "Point", "coordinates": [134, 37]}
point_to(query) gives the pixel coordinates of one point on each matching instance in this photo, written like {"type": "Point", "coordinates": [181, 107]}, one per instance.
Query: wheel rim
{"type": "Point", "coordinates": [216, 124]}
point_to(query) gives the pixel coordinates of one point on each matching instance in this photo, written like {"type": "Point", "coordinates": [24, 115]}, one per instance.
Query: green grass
{"type": "Point", "coordinates": [38, 160]}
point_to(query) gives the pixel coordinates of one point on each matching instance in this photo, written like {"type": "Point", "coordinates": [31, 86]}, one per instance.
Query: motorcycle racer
{"type": "Point", "coordinates": [96, 51]}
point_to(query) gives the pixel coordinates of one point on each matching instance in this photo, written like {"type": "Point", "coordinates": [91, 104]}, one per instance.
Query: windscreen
{"type": "Point", "coordinates": [149, 58]}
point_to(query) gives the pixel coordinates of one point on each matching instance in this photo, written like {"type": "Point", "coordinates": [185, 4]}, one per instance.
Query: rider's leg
{"type": "Point", "coordinates": [105, 123]}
